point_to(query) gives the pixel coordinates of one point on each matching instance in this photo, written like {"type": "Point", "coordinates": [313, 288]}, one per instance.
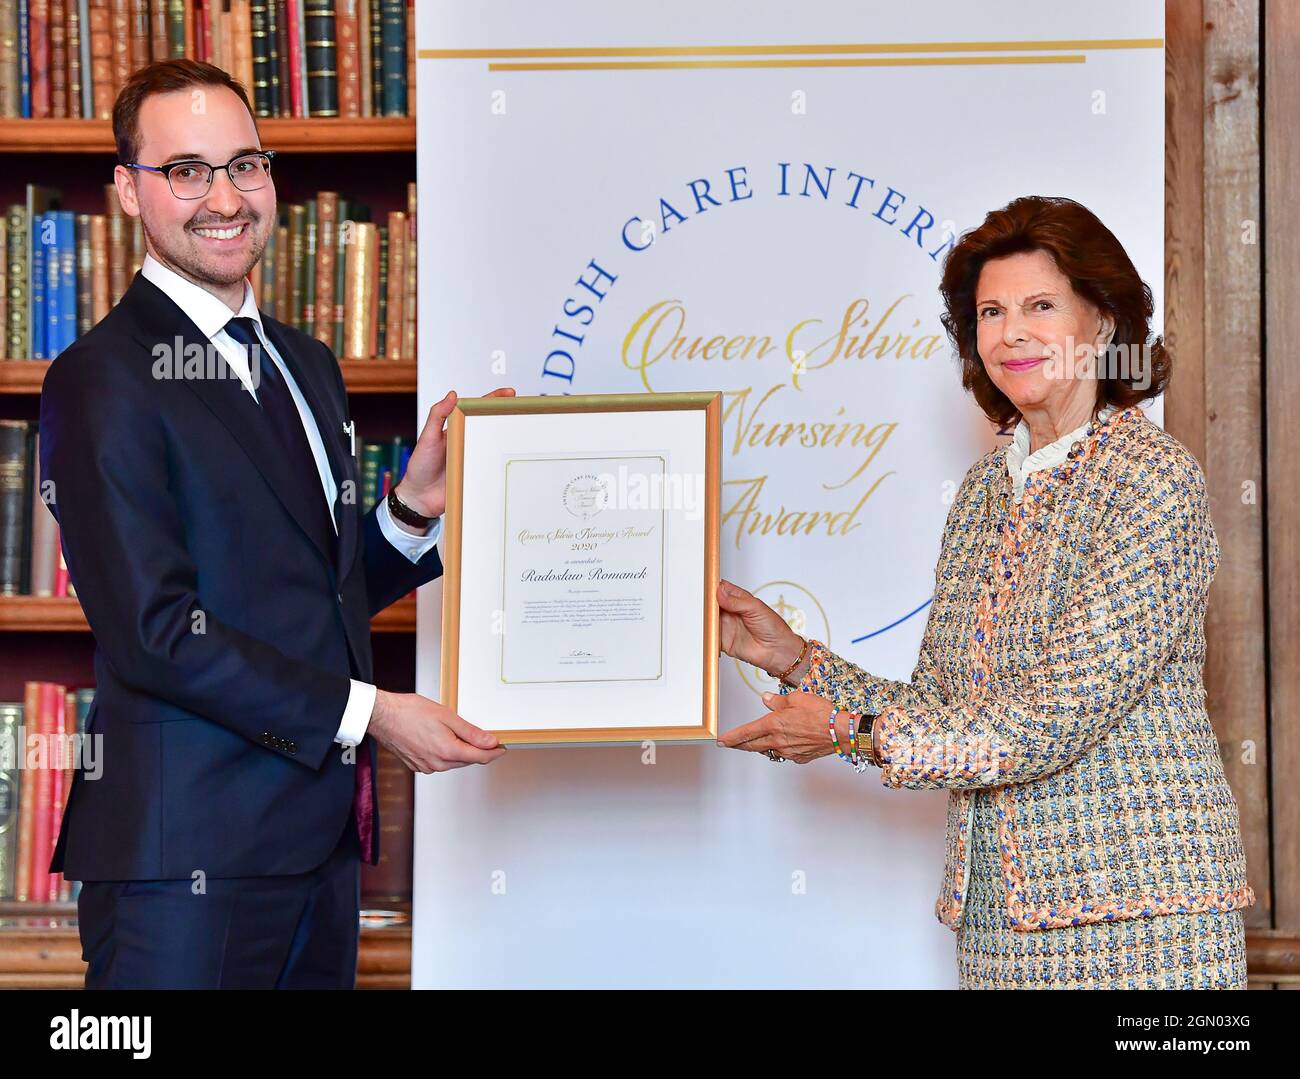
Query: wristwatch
{"type": "Point", "coordinates": [402, 512]}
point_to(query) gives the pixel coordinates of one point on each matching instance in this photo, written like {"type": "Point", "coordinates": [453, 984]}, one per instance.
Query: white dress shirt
{"type": "Point", "coordinates": [1020, 462]}
{"type": "Point", "coordinates": [210, 315]}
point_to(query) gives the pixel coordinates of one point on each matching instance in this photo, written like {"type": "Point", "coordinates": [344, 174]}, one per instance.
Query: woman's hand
{"type": "Point", "coordinates": [797, 728]}
{"type": "Point", "coordinates": [754, 633]}
{"type": "Point", "coordinates": [424, 486]}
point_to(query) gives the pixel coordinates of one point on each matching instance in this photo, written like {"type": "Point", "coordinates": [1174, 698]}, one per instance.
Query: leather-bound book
{"type": "Point", "coordinates": [327, 230]}
{"type": "Point", "coordinates": [348, 27]}
{"type": "Point", "coordinates": [321, 57]}
{"type": "Point", "coordinates": [360, 256]}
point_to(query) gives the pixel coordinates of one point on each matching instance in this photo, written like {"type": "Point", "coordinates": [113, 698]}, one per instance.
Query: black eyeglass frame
{"type": "Point", "coordinates": [165, 171]}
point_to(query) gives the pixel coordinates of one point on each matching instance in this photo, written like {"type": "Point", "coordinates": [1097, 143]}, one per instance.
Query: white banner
{"type": "Point", "coordinates": [754, 198]}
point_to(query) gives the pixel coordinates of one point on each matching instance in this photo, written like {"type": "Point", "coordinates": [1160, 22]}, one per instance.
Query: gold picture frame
{"type": "Point", "coordinates": [709, 405]}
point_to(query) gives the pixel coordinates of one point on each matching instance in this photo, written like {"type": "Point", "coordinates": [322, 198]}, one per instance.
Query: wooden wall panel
{"type": "Point", "coordinates": [1281, 150]}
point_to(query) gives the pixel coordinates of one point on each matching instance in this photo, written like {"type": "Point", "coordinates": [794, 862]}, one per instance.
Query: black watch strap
{"type": "Point", "coordinates": [402, 512]}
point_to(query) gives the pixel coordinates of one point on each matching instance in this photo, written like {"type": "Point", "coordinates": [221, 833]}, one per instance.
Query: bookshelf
{"type": "Point", "coordinates": [369, 159]}
{"type": "Point", "coordinates": [365, 135]}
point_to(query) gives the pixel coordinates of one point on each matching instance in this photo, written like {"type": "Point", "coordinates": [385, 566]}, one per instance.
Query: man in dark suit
{"type": "Point", "coordinates": [201, 470]}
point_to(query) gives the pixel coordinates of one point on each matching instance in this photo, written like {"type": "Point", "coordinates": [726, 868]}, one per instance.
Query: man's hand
{"type": "Point", "coordinates": [424, 486]}
{"type": "Point", "coordinates": [428, 737]}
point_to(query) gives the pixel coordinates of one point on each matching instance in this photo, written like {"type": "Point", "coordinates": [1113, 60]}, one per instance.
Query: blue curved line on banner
{"type": "Point", "coordinates": [875, 633]}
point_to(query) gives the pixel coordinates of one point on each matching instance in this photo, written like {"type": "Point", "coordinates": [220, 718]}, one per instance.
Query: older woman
{"type": "Point", "coordinates": [1092, 839]}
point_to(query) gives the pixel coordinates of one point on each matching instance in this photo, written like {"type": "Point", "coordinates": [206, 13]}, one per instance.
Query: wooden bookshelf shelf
{"type": "Point", "coordinates": [379, 376]}
{"type": "Point", "coordinates": [24, 377]}
{"type": "Point", "coordinates": [62, 614]}
{"type": "Point", "coordinates": [379, 134]}
{"type": "Point", "coordinates": [46, 956]}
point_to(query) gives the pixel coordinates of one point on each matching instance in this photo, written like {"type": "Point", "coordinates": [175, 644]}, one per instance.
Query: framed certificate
{"type": "Point", "coordinates": [581, 567]}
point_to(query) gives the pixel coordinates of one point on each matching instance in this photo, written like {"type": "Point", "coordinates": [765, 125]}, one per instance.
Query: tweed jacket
{"type": "Point", "coordinates": [1060, 675]}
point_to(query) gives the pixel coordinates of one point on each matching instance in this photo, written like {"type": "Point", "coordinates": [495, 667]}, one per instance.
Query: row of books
{"type": "Point", "coordinates": [37, 758]}
{"type": "Point", "coordinates": [31, 556]}
{"type": "Point", "coordinates": [362, 304]}
{"type": "Point", "coordinates": [63, 271]}
{"type": "Point", "coordinates": [68, 59]}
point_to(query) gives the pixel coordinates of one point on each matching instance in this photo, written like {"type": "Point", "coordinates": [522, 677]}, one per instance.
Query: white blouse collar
{"type": "Point", "coordinates": [1020, 462]}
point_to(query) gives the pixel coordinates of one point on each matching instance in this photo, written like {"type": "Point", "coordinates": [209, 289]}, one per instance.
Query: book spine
{"type": "Point", "coordinates": [297, 264]}
{"type": "Point", "coordinates": [266, 296]}
{"type": "Point", "coordinates": [55, 764]}
{"type": "Point", "coordinates": [364, 65]}
{"type": "Point", "coordinates": [159, 43]}
{"type": "Point", "coordinates": [392, 317]}
{"type": "Point", "coordinates": [335, 341]}
{"type": "Point", "coordinates": [376, 57]}
{"type": "Point", "coordinates": [100, 18]}
{"type": "Point", "coordinates": [327, 231]}
{"type": "Point", "coordinates": [393, 37]}
{"type": "Point", "coordinates": [52, 253]}
{"type": "Point", "coordinates": [120, 41]}
{"type": "Point", "coordinates": [67, 229]}
{"type": "Point", "coordinates": [99, 276]}
{"type": "Point", "coordinates": [85, 274]}
{"type": "Point", "coordinates": [11, 720]}
{"type": "Point", "coordinates": [322, 58]}
{"type": "Point", "coordinates": [348, 28]}
{"type": "Point", "coordinates": [4, 286]}
{"type": "Point", "coordinates": [58, 31]}
{"type": "Point", "coordinates": [293, 31]}
{"type": "Point", "coordinates": [78, 62]}
{"type": "Point", "coordinates": [284, 82]}
{"type": "Point", "coordinates": [241, 34]}
{"type": "Point", "coordinates": [37, 288]}
{"type": "Point", "coordinates": [38, 46]}
{"type": "Point", "coordinates": [14, 467]}
{"type": "Point", "coordinates": [16, 329]}
{"type": "Point", "coordinates": [10, 102]}
{"type": "Point", "coordinates": [412, 279]}
{"type": "Point", "coordinates": [361, 246]}
{"type": "Point", "coordinates": [262, 49]}
{"type": "Point", "coordinates": [117, 245]}
{"type": "Point", "coordinates": [27, 797]}
{"type": "Point", "coordinates": [283, 273]}
{"type": "Point", "coordinates": [38, 856]}
{"type": "Point", "coordinates": [139, 33]}
{"type": "Point", "coordinates": [176, 21]}
{"type": "Point", "coordinates": [381, 321]}
{"type": "Point", "coordinates": [200, 19]}
{"type": "Point", "coordinates": [372, 313]}
{"type": "Point", "coordinates": [24, 60]}
{"type": "Point", "coordinates": [44, 532]}
{"type": "Point", "coordinates": [62, 582]}
{"type": "Point", "coordinates": [311, 240]}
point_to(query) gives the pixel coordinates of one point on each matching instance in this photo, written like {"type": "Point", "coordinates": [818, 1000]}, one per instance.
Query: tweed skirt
{"type": "Point", "coordinates": [1167, 951]}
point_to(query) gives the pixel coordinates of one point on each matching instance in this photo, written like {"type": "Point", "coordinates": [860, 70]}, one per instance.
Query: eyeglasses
{"type": "Point", "coordinates": [192, 179]}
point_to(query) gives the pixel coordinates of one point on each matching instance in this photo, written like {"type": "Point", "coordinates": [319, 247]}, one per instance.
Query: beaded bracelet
{"type": "Point", "coordinates": [859, 764]}
{"type": "Point", "coordinates": [835, 738]}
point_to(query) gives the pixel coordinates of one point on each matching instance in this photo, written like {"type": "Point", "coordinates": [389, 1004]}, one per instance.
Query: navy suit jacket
{"type": "Point", "coordinates": [225, 636]}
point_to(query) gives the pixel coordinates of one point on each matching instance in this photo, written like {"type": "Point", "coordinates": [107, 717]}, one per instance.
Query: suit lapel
{"type": "Point", "coordinates": [161, 322]}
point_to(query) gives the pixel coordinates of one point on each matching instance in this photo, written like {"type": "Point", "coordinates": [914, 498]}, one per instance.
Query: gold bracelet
{"type": "Point", "coordinates": [802, 653]}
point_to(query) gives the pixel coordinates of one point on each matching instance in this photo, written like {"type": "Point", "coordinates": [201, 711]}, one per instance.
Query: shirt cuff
{"type": "Point", "coordinates": [356, 713]}
{"type": "Point", "coordinates": [414, 547]}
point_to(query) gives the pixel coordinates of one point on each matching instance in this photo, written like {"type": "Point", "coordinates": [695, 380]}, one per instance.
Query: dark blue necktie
{"type": "Point", "coordinates": [281, 414]}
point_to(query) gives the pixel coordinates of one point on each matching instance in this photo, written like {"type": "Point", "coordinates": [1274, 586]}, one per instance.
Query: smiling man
{"type": "Point", "coordinates": [211, 529]}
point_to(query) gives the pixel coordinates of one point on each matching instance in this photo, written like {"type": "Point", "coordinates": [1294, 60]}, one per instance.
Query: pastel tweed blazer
{"type": "Point", "coordinates": [1060, 675]}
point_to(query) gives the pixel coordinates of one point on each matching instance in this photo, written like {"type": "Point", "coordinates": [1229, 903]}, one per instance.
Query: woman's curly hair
{"type": "Point", "coordinates": [1099, 270]}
